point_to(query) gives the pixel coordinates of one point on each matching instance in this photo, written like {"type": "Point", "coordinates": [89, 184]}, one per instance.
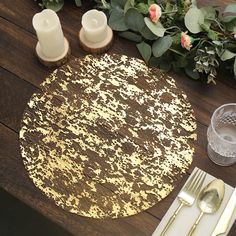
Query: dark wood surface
{"type": "Point", "coordinates": [20, 76]}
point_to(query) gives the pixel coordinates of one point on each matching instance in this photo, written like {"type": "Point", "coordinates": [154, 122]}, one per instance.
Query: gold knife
{"type": "Point", "coordinates": [223, 223]}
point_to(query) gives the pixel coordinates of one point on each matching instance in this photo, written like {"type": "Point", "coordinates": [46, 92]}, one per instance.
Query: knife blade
{"type": "Point", "coordinates": [223, 223]}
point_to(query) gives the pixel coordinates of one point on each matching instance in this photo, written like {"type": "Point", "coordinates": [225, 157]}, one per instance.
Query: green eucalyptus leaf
{"type": "Point", "coordinates": [207, 22]}
{"type": "Point", "coordinates": [53, 5]}
{"type": "Point", "coordinates": [118, 3]}
{"type": "Point", "coordinates": [145, 51]}
{"type": "Point", "coordinates": [227, 55]}
{"type": "Point", "coordinates": [131, 36]}
{"type": "Point", "coordinates": [209, 13]}
{"type": "Point", "coordinates": [147, 33]}
{"type": "Point", "coordinates": [219, 51]}
{"type": "Point", "coordinates": [169, 8]}
{"type": "Point", "coordinates": [218, 43]}
{"type": "Point", "coordinates": [235, 67]}
{"type": "Point", "coordinates": [117, 21]}
{"type": "Point", "coordinates": [181, 62]}
{"type": "Point", "coordinates": [129, 4]}
{"type": "Point", "coordinates": [230, 8]}
{"type": "Point", "coordinates": [103, 4]}
{"type": "Point", "coordinates": [230, 25]}
{"type": "Point", "coordinates": [154, 61]}
{"type": "Point", "coordinates": [176, 39]}
{"type": "Point", "coordinates": [142, 8]}
{"type": "Point", "coordinates": [175, 66]}
{"type": "Point", "coordinates": [205, 27]}
{"type": "Point", "coordinates": [150, 2]}
{"type": "Point", "coordinates": [165, 65]}
{"type": "Point", "coordinates": [229, 18]}
{"type": "Point", "coordinates": [194, 2]}
{"type": "Point", "coordinates": [193, 18]}
{"type": "Point", "coordinates": [156, 29]}
{"type": "Point", "coordinates": [78, 3]}
{"type": "Point", "coordinates": [134, 20]}
{"type": "Point", "coordinates": [191, 73]}
{"type": "Point", "coordinates": [161, 45]}
{"type": "Point", "coordinates": [229, 13]}
{"type": "Point", "coordinates": [212, 35]}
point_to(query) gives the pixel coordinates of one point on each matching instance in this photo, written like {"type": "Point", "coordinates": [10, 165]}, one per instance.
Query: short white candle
{"type": "Point", "coordinates": [95, 26]}
{"type": "Point", "coordinates": [49, 32]}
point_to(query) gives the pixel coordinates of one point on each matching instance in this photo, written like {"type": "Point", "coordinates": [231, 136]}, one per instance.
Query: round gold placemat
{"type": "Point", "coordinates": [107, 136]}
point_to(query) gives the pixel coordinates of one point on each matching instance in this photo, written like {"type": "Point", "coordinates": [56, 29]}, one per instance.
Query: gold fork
{"type": "Point", "coordinates": [187, 195]}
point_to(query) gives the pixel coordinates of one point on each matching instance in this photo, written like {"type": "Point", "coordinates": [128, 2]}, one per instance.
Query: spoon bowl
{"type": "Point", "coordinates": [211, 197]}
{"type": "Point", "coordinates": [209, 200]}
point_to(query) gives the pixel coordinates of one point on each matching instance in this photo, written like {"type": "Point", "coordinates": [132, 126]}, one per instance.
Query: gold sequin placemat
{"type": "Point", "coordinates": [107, 136]}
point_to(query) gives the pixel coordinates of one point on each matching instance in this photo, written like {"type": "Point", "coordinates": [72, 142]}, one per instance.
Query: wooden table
{"type": "Point", "coordinates": [21, 75]}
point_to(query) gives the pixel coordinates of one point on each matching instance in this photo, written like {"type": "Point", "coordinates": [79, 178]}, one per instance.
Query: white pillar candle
{"type": "Point", "coordinates": [49, 32]}
{"type": "Point", "coordinates": [95, 26]}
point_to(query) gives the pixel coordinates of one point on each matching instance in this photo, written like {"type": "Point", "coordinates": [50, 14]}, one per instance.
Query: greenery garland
{"type": "Point", "coordinates": [176, 34]}
{"type": "Point", "coordinates": [56, 5]}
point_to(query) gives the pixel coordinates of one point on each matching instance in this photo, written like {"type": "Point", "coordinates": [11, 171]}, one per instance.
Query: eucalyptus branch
{"type": "Point", "coordinates": [177, 52]}
{"type": "Point", "coordinates": [199, 44]}
{"type": "Point", "coordinates": [220, 26]}
{"type": "Point", "coordinates": [169, 12]}
{"type": "Point", "coordinates": [173, 27]}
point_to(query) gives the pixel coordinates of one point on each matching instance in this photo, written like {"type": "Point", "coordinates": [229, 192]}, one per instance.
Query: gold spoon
{"type": "Point", "coordinates": [209, 200]}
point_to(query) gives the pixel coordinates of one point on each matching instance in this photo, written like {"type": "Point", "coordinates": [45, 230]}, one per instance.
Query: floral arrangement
{"type": "Point", "coordinates": [177, 34]}
{"type": "Point", "coordinates": [56, 5]}
{"type": "Point", "coordinates": [174, 34]}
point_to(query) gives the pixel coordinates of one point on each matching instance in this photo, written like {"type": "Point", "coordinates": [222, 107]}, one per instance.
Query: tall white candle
{"type": "Point", "coordinates": [95, 26]}
{"type": "Point", "coordinates": [49, 32]}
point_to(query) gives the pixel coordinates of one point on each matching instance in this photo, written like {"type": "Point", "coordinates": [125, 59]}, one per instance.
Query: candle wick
{"type": "Point", "coordinates": [95, 22]}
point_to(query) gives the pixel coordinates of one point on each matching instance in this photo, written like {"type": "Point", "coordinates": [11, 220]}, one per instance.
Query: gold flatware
{"type": "Point", "coordinates": [209, 200]}
{"type": "Point", "coordinates": [223, 223]}
{"type": "Point", "coordinates": [187, 195]}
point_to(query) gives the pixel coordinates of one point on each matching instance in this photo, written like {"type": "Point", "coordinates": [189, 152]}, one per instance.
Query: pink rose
{"type": "Point", "coordinates": [154, 12]}
{"type": "Point", "coordinates": [186, 41]}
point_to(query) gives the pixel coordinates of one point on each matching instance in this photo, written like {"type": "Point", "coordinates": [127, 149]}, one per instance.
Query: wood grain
{"type": "Point", "coordinates": [21, 75]}
{"type": "Point", "coordinates": [20, 48]}
{"type": "Point", "coordinates": [15, 94]}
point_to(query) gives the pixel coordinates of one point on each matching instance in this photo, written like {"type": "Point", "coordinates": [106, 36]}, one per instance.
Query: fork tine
{"type": "Point", "coordinates": [200, 183]}
{"type": "Point", "coordinates": [187, 185]}
{"type": "Point", "coordinates": [195, 184]}
{"type": "Point", "coordinates": [196, 180]}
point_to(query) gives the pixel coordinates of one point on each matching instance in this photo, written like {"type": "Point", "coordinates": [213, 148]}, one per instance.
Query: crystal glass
{"type": "Point", "coordinates": [221, 135]}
